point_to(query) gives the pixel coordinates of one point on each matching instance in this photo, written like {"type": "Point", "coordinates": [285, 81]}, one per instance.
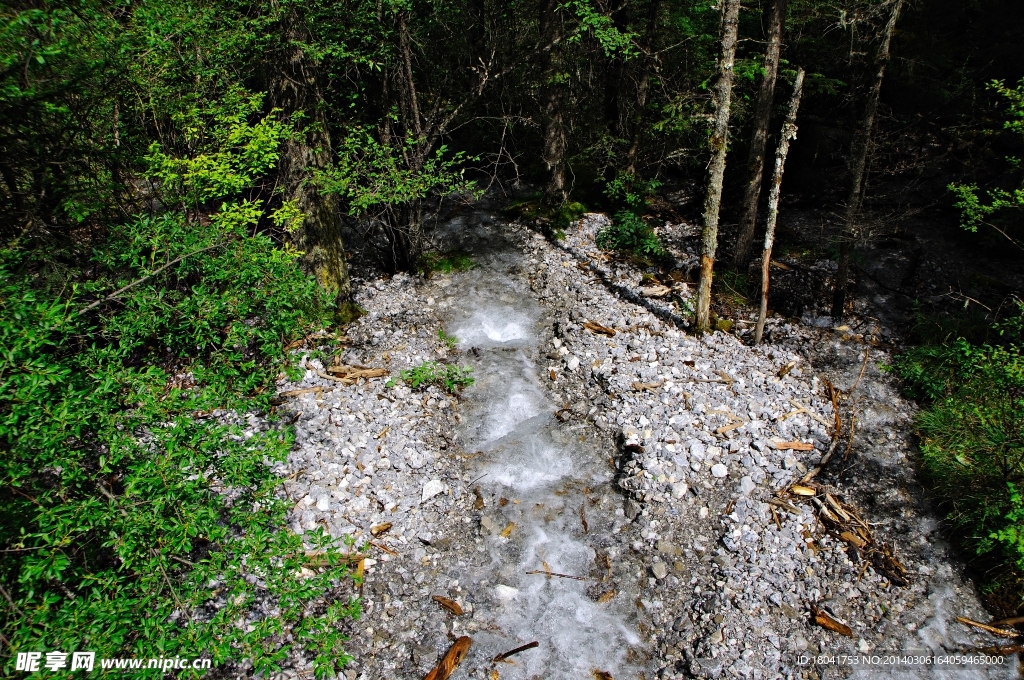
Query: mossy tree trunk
{"type": "Point", "coordinates": [294, 89]}
{"type": "Point", "coordinates": [553, 97]}
{"type": "Point", "coordinates": [759, 141]}
{"type": "Point", "coordinates": [716, 168]}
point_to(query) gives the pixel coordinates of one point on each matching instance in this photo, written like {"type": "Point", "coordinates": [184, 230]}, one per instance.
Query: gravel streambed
{"type": "Point", "coordinates": [668, 449]}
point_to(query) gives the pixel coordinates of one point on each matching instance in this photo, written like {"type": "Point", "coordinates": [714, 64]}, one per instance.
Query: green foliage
{"type": "Point", "coordinates": [138, 517]}
{"type": "Point", "coordinates": [972, 434]}
{"type": "Point", "coordinates": [600, 25]}
{"type": "Point", "coordinates": [448, 263]}
{"type": "Point", "coordinates": [370, 175]}
{"type": "Point", "coordinates": [633, 190]}
{"type": "Point", "coordinates": [629, 233]}
{"type": "Point", "coordinates": [975, 210]}
{"type": "Point", "coordinates": [450, 378]}
{"type": "Point", "coordinates": [448, 340]}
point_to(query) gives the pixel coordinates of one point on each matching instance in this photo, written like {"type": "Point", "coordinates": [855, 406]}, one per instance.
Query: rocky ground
{"type": "Point", "coordinates": [722, 568]}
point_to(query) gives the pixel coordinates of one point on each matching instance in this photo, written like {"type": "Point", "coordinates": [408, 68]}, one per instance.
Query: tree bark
{"type": "Point", "coordinates": [788, 133]}
{"type": "Point", "coordinates": [553, 152]}
{"type": "Point", "coordinates": [294, 89]}
{"type": "Point", "coordinates": [716, 168]}
{"type": "Point", "coordinates": [758, 143]}
{"type": "Point", "coordinates": [859, 155]}
{"type": "Point", "coordinates": [643, 86]}
{"type": "Point", "coordinates": [614, 68]}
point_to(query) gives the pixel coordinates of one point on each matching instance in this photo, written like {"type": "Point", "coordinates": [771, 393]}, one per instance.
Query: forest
{"type": "Point", "coordinates": [190, 190]}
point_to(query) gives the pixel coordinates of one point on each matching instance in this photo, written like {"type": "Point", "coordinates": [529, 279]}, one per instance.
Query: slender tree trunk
{"type": "Point", "coordinates": [643, 86]}
{"type": "Point", "coordinates": [859, 156]}
{"type": "Point", "coordinates": [614, 68]}
{"type": "Point", "coordinates": [762, 118]}
{"type": "Point", "coordinates": [788, 133]}
{"type": "Point", "coordinates": [294, 88]}
{"type": "Point", "coordinates": [716, 168]}
{"type": "Point", "coordinates": [555, 141]}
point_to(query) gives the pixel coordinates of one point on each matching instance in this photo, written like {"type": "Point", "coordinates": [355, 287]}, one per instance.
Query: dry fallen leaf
{"type": "Point", "coordinates": [606, 596]}
{"type": "Point", "coordinates": [786, 369]}
{"type": "Point", "coordinates": [801, 490]}
{"type": "Point", "coordinates": [853, 539]}
{"type": "Point", "coordinates": [602, 675]}
{"type": "Point", "coordinates": [380, 529]}
{"type": "Point", "coordinates": [826, 621]}
{"type": "Point", "coordinates": [450, 605]}
{"type": "Point", "coordinates": [478, 504]}
{"type": "Point", "coordinates": [598, 328]}
{"type": "Point", "coordinates": [507, 531]}
{"type": "Point", "coordinates": [451, 660]}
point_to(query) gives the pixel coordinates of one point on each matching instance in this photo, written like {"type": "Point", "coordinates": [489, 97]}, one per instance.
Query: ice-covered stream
{"type": "Point", "coordinates": [542, 470]}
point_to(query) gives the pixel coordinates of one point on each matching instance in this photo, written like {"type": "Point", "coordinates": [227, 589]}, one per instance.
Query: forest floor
{"type": "Point", "coordinates": [706, 550]}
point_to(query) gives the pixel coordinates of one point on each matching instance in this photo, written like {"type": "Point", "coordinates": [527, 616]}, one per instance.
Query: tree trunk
{"type": "Point", "coordinates": [614, 68]}
{"type": "Point", "coordinates": [294, 88]}
{"type": "Point", "coordinates": [553, 152]}
{"type": "Point", "coordinates": [762, 118]}
{"type": "Point", "coordinates": [643, 86]}
{"type": "Point", "coordinates": [788, 133]}
{"type": "Point", "coordinates": [859, 156]}
{"type": "Point", "coordinates": [716, 168]}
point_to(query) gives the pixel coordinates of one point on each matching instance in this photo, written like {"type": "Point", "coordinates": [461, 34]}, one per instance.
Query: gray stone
{"type": "Point", "coordinates": [659, 570]}
{"type": "Point", "coordinates": [747, 485]}
{"type": "Point", "coordinates": [632, 508]}
{"type": "Point", "coordinates": [719, 470]}
{"type": "Point", "coordinates": [431, 489]}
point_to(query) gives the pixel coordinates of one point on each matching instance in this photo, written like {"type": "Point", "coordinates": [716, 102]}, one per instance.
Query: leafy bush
{"type": "Point", "coordinates": [972, 435]}
{"type": "Point", "coordinates": [138, 517]}
{"type": "Point", "coordinates": [448, 263]}
{"type": "Point", "coordinates": [448, 377]}
{"type": "Point", "coordinates": [1001, 203]}
{"type": "Point", "coordinates": [449, 340]}
{"type": "Point", "coordinates": [629, 233]}
{"type": "Point", "coordinates": [632, 190]}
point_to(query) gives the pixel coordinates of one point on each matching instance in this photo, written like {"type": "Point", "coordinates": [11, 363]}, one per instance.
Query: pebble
{"type": "Point", "coordinates": [431, 489]}
{"type": "Point", "coordinates": [366, 455]}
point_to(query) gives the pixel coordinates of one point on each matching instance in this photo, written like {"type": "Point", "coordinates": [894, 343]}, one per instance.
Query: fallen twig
{"type": "Point", "coordinates": [555, 573]}
{"type": "Point", "coordinates": [594, 327]}
{"type": "Point", "coordinates": [991, 629]}
{"type": "Point", "coordinates": [522, 648]}
{"type": "Point", "coordinates": [652, 386]}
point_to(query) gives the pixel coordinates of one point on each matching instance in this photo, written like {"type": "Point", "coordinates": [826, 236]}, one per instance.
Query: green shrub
{"type": "Point", "coordinates": [630, 234]}
{"type": "Point", "coordinates": [450, 378]}
{"type": "Point", "coordinates": [448, 263]}
{"type": "Point", "coordinates": [972, 436]}
{"type": "Point", "coordinates": [449, 341]}
{"type": "Point", "coordinates": [128, 505]}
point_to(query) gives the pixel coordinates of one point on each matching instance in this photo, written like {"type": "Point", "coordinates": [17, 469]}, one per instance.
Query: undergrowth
{"type": "Point", "coordinates": [446, 263]}
{"type": "Point", "coordinates": [135, 521]}
{"type": "Point", "coordinates": [630, 234]}
{"type": "Point", "coordinates": [449, 378]}
{"type": "Point", "coordinates": [972, 437]}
